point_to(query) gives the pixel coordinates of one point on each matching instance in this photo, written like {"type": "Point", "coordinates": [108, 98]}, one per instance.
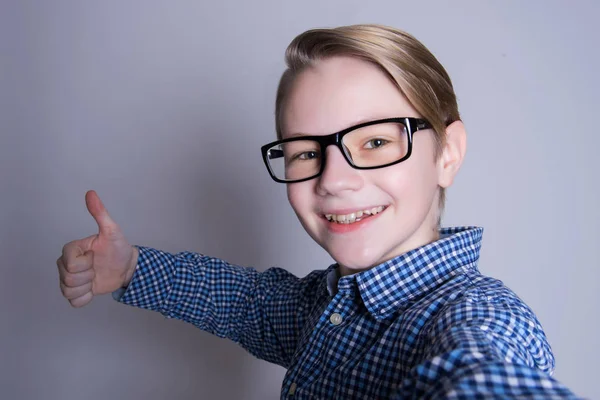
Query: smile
{"type": "Point", "coordinates": [355, 216]}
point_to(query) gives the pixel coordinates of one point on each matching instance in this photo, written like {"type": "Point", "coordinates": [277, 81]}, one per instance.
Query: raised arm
{"type": "Point", "coordinates": [485, 347]}
{"type": "Point", "coordinates": [262, 311]}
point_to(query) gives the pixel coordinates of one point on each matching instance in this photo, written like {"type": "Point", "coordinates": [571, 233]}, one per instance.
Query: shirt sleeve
{"type": "Point", "coordinates": [261, 311]}
{"type": "Point", "coordinates": [485, 347]}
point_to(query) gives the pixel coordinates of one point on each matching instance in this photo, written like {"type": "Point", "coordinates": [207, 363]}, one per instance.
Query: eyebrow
{"type": "Point", "coordinates": [297, 134]}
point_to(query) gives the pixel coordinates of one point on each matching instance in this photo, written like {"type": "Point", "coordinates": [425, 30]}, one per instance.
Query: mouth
{"type": "Point", "coordinates": [354, 217]}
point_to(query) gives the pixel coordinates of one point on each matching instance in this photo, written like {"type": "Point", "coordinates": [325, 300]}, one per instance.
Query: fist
{"type": "Point", "coordinates": [97, 264]}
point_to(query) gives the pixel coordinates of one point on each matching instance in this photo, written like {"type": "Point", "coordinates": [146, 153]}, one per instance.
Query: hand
{"type": "Point", "coordinates": [97, 264]}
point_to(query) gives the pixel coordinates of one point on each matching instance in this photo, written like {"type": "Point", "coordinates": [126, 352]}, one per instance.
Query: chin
{"type": "Point", "coordinates": [356, 261]}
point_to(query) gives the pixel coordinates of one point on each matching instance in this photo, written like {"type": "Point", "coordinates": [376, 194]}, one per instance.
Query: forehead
{"type": "Point", "coordinates": [339, 92]}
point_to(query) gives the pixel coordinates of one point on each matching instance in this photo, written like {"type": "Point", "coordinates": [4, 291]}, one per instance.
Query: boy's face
{"type": "Point", "coordinates": [335, 94]}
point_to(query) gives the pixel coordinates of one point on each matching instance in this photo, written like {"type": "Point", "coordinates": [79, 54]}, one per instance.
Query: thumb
{"type": "Point", "coordinates": [106, 225]}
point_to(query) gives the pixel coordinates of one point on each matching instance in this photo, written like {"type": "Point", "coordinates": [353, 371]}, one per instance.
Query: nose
{"type": "Point", "coordinates": [338, 176]}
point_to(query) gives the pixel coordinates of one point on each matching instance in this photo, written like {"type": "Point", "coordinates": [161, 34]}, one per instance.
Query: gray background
{"type": "Point", "coordinates": [162, 107]}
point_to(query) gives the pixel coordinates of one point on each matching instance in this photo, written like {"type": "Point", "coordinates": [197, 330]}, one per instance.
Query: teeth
{"type": "Point", "coordinates": [353, 217]}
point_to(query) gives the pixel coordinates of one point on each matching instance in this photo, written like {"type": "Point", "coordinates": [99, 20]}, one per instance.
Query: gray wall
{"type": "Point", "coordinates": [162, 107]}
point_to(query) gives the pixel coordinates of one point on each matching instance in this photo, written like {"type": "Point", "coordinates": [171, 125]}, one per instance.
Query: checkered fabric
{"type": "Point", "coordinates": [425, 324]}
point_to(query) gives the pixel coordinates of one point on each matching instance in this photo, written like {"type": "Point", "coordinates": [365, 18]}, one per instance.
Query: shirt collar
{"type": "Point", "coordinates": [391, 285]}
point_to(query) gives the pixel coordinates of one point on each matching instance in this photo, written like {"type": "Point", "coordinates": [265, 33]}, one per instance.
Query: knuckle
{"type": "Point", "coordinates": [76, 302]}
{"type": "Point", "coordinates": [70, 250]}
{"type": "Point", "coordinates": [80, 301]}
{"type": "Point", "coordinates": [70, 280]}
{"type": "Point", "coordinates": [61, 268]}
{"type": "Point", "coordinates": [70, 293]}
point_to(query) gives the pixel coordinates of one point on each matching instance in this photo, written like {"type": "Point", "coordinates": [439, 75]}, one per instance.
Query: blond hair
{"type": "Point", "coordinates": [411, 66]}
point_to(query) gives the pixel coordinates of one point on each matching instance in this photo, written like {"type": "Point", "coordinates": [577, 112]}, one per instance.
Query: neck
{"type": "Point", "coordinates": [411, 243]}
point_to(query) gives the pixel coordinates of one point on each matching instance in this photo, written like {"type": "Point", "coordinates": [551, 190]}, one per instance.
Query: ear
{"type": "Point", "coordinates": [453, 153]}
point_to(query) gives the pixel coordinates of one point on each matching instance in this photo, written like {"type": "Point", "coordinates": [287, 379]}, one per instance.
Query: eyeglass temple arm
{"type": "Point", "coordinates": [423, 124]}
{"type": "Point", "coordinates": [274, 153]}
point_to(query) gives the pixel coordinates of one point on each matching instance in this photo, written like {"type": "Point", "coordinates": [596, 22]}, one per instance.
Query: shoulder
{"type": "Point", "coordinates": [489, 318]}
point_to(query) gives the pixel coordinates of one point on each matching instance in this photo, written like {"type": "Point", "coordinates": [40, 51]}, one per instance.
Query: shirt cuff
{"type": "Point", "coordinates": [150, 284]}
{"type": "Point", "coordinates": [118, 294]}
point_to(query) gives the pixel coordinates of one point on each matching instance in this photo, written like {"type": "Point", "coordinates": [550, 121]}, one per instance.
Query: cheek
{"type": "Point", "coordinates": [299, 196]}
{"type": "Point", "coordinates": [411, 183]}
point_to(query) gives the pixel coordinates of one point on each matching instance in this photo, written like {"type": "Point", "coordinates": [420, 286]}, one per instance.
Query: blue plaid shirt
{"type": "Point", "coordinates": [425, 324]}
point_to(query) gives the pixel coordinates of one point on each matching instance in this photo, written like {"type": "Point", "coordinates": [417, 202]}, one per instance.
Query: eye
{"type": "Point", "coordinates": [375, 143]}
{"type": "Point", "coordinates": [307, 155]}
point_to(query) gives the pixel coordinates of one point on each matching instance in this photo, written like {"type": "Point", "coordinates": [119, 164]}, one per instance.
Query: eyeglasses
{"type": "Point", "coordinates": [370, 145]}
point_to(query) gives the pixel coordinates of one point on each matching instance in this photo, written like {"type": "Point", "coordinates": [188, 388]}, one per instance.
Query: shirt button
{"type": "Point", "coordinates": [292, 389]}
{"type": "Point", "coordinates": [335, 319]}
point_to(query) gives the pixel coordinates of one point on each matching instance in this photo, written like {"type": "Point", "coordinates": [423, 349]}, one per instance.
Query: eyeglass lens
{"type": "Point", "coordinates": [369, 146]}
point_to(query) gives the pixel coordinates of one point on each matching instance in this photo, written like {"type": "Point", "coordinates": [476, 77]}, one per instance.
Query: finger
{"type": "Point", "coordinates": [82, 300]}
{"type": "Point", "coordinates": [61, 267]}
{"type": "Point", "coordinates": [71, 293]}
{"type": "Point", "coordinates": [106, 225]}
{"type": "Point", "coordinates": [63, 273]}
{"type": "Point", "coordinates": [75, 260]}
{"type": "Point", "coordinates": [77, 279]}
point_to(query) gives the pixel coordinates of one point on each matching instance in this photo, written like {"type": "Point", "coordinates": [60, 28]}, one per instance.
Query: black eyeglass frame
{"type": "Point", "coordinates": [412, 125]}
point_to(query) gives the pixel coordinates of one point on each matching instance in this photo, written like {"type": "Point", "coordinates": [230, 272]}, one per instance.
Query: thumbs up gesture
{"type": "Point", "coordinates": [97, 264]}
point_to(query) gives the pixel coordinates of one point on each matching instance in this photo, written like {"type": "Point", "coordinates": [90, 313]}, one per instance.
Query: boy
{"type": "Point", "coordinates": [369, 137]}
